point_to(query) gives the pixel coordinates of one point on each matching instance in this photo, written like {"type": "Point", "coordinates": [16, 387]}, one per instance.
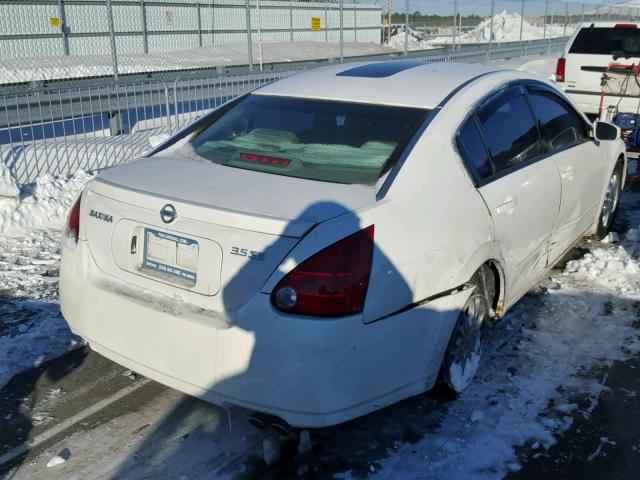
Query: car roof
{"type": "Point", "coordinates": [398, 83]}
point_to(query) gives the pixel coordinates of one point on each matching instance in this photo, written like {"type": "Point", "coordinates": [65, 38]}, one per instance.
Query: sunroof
{"type": "Point", "coordinates": [379, 69]}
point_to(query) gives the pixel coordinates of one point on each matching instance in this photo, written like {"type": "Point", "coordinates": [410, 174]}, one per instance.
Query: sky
{"type": "Point", "coordinates": [483, 7]}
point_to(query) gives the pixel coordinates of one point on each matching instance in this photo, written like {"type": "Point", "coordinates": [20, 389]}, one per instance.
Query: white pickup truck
{"type": "Point", "coordinates": [591, 48]}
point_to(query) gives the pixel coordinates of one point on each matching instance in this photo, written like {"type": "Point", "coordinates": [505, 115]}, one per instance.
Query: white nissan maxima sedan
{"type": "Point", "coordinates": [338, 240]}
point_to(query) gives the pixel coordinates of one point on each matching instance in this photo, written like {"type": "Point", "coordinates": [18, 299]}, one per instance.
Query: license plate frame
{"type": "Point", "coordinates": [165, 267]}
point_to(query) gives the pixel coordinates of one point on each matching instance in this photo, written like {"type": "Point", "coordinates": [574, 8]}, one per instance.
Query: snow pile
{"type": "Point", "coordinates": [397, 42]}
{"type": "Point", "coordinates": [32, 329]}
{"type": "Point", "coordinates": [8, 185]}
{"type": "Point", "coordinates": [506, 28]}
{"type": "Point", "coordinates": [611, 268]}
{"type": "Point", "coordinates": [44, 205]}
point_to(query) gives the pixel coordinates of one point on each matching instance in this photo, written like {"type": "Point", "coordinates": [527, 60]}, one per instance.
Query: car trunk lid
{"type": "Point", "coordinates": [231, 230]}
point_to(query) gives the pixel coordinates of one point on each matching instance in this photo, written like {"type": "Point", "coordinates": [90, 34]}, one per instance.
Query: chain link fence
{"type": "Point", "coordinates": [164, 63]}
{"type": "Point", "coordinates": [48, 40]}
{"type": "Point", "coordinates": [58, 131]}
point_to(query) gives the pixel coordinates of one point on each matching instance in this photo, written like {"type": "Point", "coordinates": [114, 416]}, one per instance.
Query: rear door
{"type": "Point", "coordinates": [519, 183]}
{"type": "Point", "coordinates": [593, 48]}
{"type": "Point", "coordinates": [579, 162]}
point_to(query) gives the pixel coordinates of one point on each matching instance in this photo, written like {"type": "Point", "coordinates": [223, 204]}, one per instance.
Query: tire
{"type": "Point", "coordinates": [610, 203]}
{"type": "Point", "coordinates": [462, 357]}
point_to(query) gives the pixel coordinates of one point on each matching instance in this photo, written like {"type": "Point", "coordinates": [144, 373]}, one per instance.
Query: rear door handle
{"type": "Point", "coordinates": [567, 173]}
{"type": "Point", "coordinates": [506, 206]}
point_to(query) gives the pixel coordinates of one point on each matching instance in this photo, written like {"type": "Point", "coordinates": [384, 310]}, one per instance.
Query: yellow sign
{"type": "Point", "coordinates": [315, 24]}
{"type": "Point", "coordinates": [54, 21]}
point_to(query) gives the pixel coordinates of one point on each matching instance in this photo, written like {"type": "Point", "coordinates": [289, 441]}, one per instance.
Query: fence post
{"type": "Point", "coordinates": [199, 18]}
{"type": "Point", "coordinates": [291, 20]}
{"type": "Point", "coordinates": [64, 29]}
{"type": "Point", "coordinates": [213, 22]}
{"type": "Point", "coordinates": [249, 44]}
{"type": "Point", "coordinates": [341, 31]}
{"type": "Point", "coordinates": [546, 10]}
{"type": "Point", "coordinates": [259, 33]}
{"type": "Point", "coordinates": [521, 20]}
{"type": "Point", "coordinates": [493, 6]}
{"type": "Point", "coordinates": [355, 23]}
{"type": "Point", "coordinates": [455, 21]}
{"type": "Point", "coordinates": [143, 16]}
{"type": "Point", "coordinates": [112, 35]}
{"type": "Point", "coordinates": [326, 26]}
{"type": "Point", "coordinates": [406, 27]}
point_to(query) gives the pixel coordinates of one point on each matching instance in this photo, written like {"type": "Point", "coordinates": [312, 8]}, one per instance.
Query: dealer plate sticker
{"type": "Point", "coordinates": [171, 254]}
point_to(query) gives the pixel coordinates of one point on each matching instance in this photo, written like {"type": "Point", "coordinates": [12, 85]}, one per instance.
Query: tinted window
{"type": "Point", "coordinates": [607, 41]}
{"type": "Point", "coordinates": [314, 139]}
{"type": "Point", "coordinates": [560, 124]}
{"type": "Point", "coordinates": [510, 131]}
{"type": "Point", "coordinates": [474, 150]}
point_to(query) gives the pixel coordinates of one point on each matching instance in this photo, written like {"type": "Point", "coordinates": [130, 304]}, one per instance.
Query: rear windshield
{"type": "Point", "coordinates": [313, 139]}
{"type": "Point", "coordinates": [622, 42]}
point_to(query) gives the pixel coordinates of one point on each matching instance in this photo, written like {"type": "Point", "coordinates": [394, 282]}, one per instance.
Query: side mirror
{"type": "Point", "coordinates": [605, 131]}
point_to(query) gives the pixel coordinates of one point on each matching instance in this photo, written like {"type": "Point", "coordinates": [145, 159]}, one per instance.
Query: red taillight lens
{"type": "Point", "coordinates": [332, 283]}
{"type": "Point", "coordinates": [72, 229]}
{"type": "Point", "coordinates": [560, 69]}
{"type": "Point", "coordinates": [626, 25]}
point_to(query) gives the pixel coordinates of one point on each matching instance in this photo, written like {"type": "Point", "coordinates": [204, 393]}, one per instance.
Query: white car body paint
{"type": "Point", "coordinates": [224, 341]}
{"type": "Point", "coordinates": [583, 86]}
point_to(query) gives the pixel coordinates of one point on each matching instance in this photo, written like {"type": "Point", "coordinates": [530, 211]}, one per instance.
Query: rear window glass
{"type": "Point", "coordinates": [313, 139]}
{"type": "Point", "coordinates": [607, 41]}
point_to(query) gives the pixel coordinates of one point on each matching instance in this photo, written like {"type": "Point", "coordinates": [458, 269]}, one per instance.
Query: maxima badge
{"type": "Point", "coordinates": [168, 213]}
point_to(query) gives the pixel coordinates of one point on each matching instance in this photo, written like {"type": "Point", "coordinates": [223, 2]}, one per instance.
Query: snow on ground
{"type": "Point", "coordinates": [546, 360]}
{"type": "Point", "coordinates": [32, 329]}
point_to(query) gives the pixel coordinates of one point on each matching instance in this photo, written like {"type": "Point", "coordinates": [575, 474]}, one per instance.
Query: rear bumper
{"type": "Point", "coordinates": [589, 102]}
{"type": "Point", "coordinates": [310, 372]}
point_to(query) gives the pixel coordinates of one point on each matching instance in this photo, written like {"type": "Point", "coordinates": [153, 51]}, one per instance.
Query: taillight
{"type": "Point", "coordinates": [331, 283]}
{"type": "Point", "coordinates": [560, 69]}
{"type": "Point", "coordinates": [626, 25]}
{"type": "Point", "coordinates": [72, 229]}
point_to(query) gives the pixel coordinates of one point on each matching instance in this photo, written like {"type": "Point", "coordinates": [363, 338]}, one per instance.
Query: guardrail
{"type": "Point", "coordinates": [58, 131]}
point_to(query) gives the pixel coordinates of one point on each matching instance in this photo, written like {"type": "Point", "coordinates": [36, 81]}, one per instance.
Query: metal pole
{"type": "Point", "coordinates": [143, 17]}
{"type": "Point", "coordinates": [546, 10]}
{"type": "Point", "coordinates": [249, 44]}
{"type": "Point", "coordinates": [582, 17]}
{"type": "Point", "coordinates": [521, 20]}
{"type": "Point", "coordinates": [566, 18]}
{"type": "Point", "coordinates": [291, 21]}
{"type": "Point", "coordinates": [64, 29]}
{"type": "Point", "coordinates": [199, 18]}
{"type": "Point", "coordinates": [213, 22]}
{"type": "Point", "coordinates": [341, 32]}
{"type": "Point", "coordinates": [112, 35]}
{"type": "Point", "coordinates": [326, 26]}
{"type": "Point", "coordinates": [493, 6]}
{"type": "Point", "coordinates": [453, 32]}
{"type": "Point", "coordinates": [355, 24]}
{"type": "Point", "coordinates": [406, 27]}
{"type": "Point", "coordinates": [389, 22]}
{"type": "Point", "coordinates": [259, 33]}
